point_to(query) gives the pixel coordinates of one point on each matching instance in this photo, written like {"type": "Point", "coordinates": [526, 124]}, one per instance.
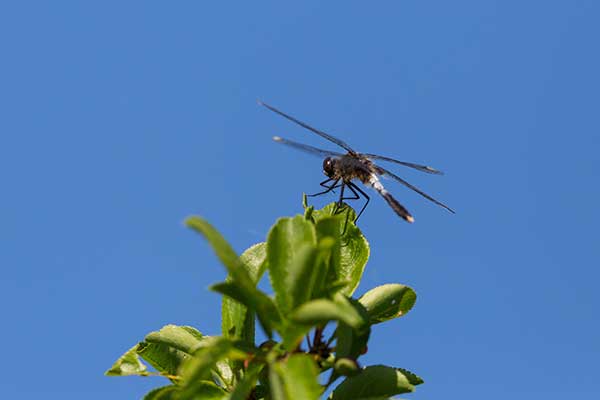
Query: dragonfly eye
{"type": "Point", "coordinates": [328, 166]}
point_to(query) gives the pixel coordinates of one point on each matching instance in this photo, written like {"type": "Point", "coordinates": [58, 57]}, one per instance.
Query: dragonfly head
{"type": "Point", "coordinates": [329, 166]}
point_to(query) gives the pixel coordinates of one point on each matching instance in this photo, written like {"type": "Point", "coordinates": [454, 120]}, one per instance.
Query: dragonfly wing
{"type": "Point", "coordinates": [306, 148]}
{"type": "Point", "coordinates": [327, 136]}
{"type": "Point", "coordinates": [422, 168]}
{"type": "Point", "coordinates": [416, 189]}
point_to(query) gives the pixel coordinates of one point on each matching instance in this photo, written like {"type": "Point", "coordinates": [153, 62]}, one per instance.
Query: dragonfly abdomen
{"type": "Point", "coordinates": [392, 202]}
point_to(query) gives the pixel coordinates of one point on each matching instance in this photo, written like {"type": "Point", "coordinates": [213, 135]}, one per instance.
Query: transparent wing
{"type": "Point", "coordinates": [416, 189]}
{"type": "Point", "coordinates": [327, 136]}
{"type": "Point", "coordinates": [307, 148]}
{"type": "Point", "coordinates": [422, 168]}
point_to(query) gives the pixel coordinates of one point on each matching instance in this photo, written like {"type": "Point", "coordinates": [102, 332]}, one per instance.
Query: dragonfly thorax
{"type": "Point", "coordinates": [347, 167]}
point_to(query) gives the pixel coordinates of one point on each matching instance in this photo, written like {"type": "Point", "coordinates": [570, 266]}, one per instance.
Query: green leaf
{"type": "Point", "coordinates": [200, 366]}
{"type": "Point", "coordinates": [169, 392]}
{"type": "Point", "coordinates": [128, 364]}
{"type": "Point", "coordinates": [243, 389]}
{"type": "Point", "coordinates": [169, 347]}
{"type": "Point", "coordinates": [295, 378]}
{"type": "Point", "coordinates": [254, 258]}
{"type": "Point", "coordinates": [317, 313]}
{"type": "Point", "coordinates": [321, 311]}
{"type": "Point", "coordinates": [328, 234]}
{"type": "Point", "coordinates": [162, 357]}
{"type": "Point", "coordinates": [289, 246]}
{"type": "Point", "coordinates": [223, 373]}
{"type": "Point", "coordinates": [237, 322]}
{"type": "Point", "coordinates": [222, 249]}
{"type": "Point", "coordinates": [376, 398]}
{"type": "Point", "coordinates": [376, 381]}
{"type": "Point", "coordinates": [235, 266]}
{"type": "Point", "coordinates": [205, 390]}
{"type": "Point", "coordinates": [308, 210]}
{"type": "Point", "coordinates": [346, 367]}
{"type": "Point", "coordinates": [352, 342]}
{"type": "Point", "coordinates": [388, 301]}
{"type": "Point", "coordinates": [251, 297]}
{"type": "Point", "coordinates": [301, 275]}
{"type": "Point", "coordinates": [354, 249]}
{"type": "Point", "coordinates": [184, 338]}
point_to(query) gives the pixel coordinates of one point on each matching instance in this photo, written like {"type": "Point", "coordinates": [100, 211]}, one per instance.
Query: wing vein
{"type": "Point", "coordinates": [327, 136]}
{"type": "Point", "coordinates": [416, 189]}
{"type": "Point", "coordinates": [306, 148]}
{"type": "Point", "coordinates": [422, 168]}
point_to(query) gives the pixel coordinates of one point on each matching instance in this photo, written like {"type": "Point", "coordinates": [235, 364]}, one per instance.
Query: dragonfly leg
{"type": "Point", "coordinates": [352, 186]}
{"type": "Point", "coordinates": [328, 188]}
{"type": "Point", "coordinates": [340, 202]}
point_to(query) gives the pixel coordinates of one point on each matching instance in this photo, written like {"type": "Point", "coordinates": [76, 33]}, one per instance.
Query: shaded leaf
{"type": "Point", "coordinates": [376, 381]}
{"type": "Point", "coordinates": [128, 364]}
{"type": "Point", "coordinates": [163, 393]}
{"type": "Point", "coordinates": [352, 342]}
{"type": "Point", "coordinates": [214, 349]}
{"type": "Point", "coordinates": [163, 358]}
{"type": "Point", "coordinates": [295, 378]}
{"type": "Point", "coordinates": [251, 297]}
{"type": "Point", "coordinates": [346, 367]}
{"type": "Point", "coordinates": [292, 334]}
{"type": "Point", "coordinates": [388, 301]}
{"type": "Point", "coordinates": [243, 389]}
{"type": "Point", "coordinates": [204, 390]}
{"type": "Point", "coordinates": [237, 322]}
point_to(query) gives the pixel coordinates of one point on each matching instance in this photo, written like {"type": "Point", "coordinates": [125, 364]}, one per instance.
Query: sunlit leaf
{"type": "Point", "coordinates": [289, 249]}
{"type": "Point", "coordinates": [128, 364]}
{"type": "Point", "coordinates": [184, 338]}
{"type": "Point", "coordinates": [321, 311]}
{"type": "Point", "coordinates": [388, 301]}
{"type": "Point", "coordinates": [354, 248]}
{"type": "Point", "coordinates": [222, 249]}
{"type": "Point", "coordinates": [199, 367]}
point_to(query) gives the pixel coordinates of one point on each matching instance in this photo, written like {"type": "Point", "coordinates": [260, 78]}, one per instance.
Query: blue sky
{"type": "Point", "coordinates": [119, 119]}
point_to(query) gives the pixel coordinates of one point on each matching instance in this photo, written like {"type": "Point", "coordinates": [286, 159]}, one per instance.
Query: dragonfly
{"type": "Point", "coordinates": [342, 169]}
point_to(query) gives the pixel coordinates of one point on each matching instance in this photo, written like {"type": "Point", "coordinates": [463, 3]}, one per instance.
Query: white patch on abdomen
{"type": "Point", "coordinates": [374, 181]}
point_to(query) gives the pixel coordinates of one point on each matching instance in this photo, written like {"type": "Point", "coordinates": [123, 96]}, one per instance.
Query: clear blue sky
{"type": "Point", "coordinates": [119, 119]}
